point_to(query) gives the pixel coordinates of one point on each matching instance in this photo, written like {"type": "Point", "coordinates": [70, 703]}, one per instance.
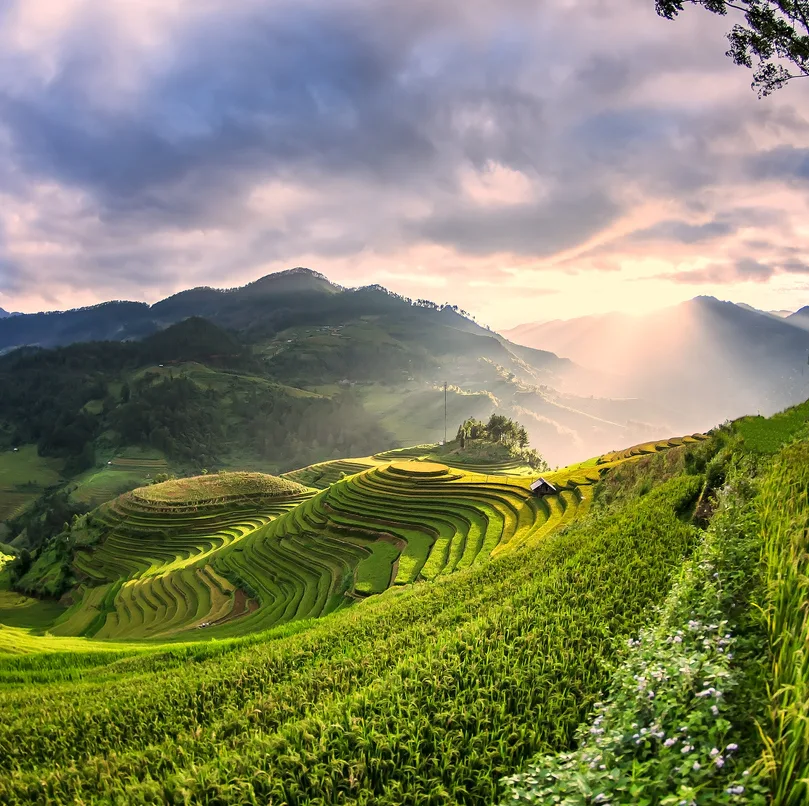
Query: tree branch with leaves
{"type": "Point", "coordinates": [773, 40]}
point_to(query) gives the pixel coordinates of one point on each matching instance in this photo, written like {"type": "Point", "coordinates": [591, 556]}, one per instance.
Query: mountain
{"type": "Point", "coordinates": [111, 320]}
{"type": "Point", "coordinates": [782, 314]}
{"type": "Point", "coordinates": [703, 361]}
{"type": "Point", "coordinates": [281, 297]}
{"type": "Point", "coordinates": [800, 318]}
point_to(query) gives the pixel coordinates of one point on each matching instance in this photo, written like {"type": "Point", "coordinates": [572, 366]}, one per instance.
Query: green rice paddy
{"type": "Point", "coordinates": [132, 468]}
{"type": "Point", "coordinates": [23, 477]}
{"type": "Point", "coordinates": [427, 693]}
{"type": "Point", "coordinates": [229, 554]}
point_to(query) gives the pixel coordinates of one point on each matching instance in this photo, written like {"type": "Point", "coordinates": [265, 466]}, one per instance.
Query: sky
{"type": "Point", "coordinates": [524, 160]}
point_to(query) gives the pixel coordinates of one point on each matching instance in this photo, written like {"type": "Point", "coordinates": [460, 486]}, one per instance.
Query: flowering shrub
{"type": "Point", "coordinates": [676, 728]}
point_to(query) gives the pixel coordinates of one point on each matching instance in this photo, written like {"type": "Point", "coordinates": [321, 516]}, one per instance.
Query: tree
{"type": "Point", "coordinates": [774, 37]}
{"type": "Point", "coordinates": [522, 437]}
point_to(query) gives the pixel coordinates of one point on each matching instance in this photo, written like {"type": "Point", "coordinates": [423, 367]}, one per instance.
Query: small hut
{"type": "Point", "coordinates": [541, 487]}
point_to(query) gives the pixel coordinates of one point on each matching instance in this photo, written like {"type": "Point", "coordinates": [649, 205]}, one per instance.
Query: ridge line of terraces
{"type": "Point", "coordinates": [158, 506]}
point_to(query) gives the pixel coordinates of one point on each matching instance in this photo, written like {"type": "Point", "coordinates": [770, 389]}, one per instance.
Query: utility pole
{"type": "Point", "coordinates": [445, 413]}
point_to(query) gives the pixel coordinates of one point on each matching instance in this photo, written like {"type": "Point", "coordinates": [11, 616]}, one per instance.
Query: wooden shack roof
{"type": "Point", "coordinates": [541, 482]}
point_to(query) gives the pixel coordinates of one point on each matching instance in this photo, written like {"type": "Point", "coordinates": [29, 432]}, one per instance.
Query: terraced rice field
{"type": "Point", "coordinates": [324, 474]}
{"type": "Point", "coordinates": [413, 452]}
{"type": "Point", "coordinates": [502, 467]}
{"type": "Point", "coordinates": [240, 552]}
{"type": "Point", "coordinates": [505, 467]}
{"type": "Point", "coordinates": [645, 448]}
{"type": "Point", "coordinates": [151, 575]}
{"type": "Point", "coordinates": [13, 503]}
{"type": "Point", "coordinates": [24, 475]}
{"type": "Point", "coordinates": [122, 473]}
{"type": "Point", "coordinates": [388, 525]}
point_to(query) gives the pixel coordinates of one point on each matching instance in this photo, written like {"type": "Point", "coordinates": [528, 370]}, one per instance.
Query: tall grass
{"type": "Point", "coordinates": [784, 514]}
{"type": "Point", "coordinates": [678, 723]}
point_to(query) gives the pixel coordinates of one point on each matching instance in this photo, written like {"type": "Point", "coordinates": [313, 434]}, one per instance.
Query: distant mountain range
{"type": "Point", "coordinates": [782, 314]}
{"type": "Point", "coordinates": [267, 300]}
{"type": "Point", "coordinates": [704, 360]}
{"type": "Point", "coordinates": [312, 335]}
{"type": "Point", "coordinates": [581, 386]}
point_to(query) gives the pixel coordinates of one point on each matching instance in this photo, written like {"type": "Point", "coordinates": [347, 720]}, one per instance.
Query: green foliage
{"type": "Point", "coordinates": [47, 517]}
{"type": "Point", "coordinates": [50, 574]}
{"type": "Point", "coordinates": [173, 415]}
{"type": "Point", "coordinates": [784, 513]}
{"type": "Point", "coordinates": [499, 437]}
{"type": "Point", "coordinates": [677, 725]}
{"type": "Point", "coordinates": [767, 435]}
{"type": "Point", "coordinates": [637, 477]}
{"type": "Point", "coordinates": [775, 37]}
{"type": "Point", "coordinates": [498, 429]}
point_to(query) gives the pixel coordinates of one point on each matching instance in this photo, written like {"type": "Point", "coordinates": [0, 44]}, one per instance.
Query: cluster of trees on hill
{"type": "Point", "coordinates": [499, 428]}
{"type": "Point", "coordinates": [293, 432]}
{"type": "Point", "coordinates": [499, 431]}
{"type": "Point", "coordinates": [43, 392]}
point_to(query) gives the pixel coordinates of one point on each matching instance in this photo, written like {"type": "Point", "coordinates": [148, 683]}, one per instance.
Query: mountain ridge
{"type": "Point", "coordinates": [704, 357]}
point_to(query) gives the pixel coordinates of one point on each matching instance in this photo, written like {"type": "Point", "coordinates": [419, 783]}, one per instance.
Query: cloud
{"type": "Point", "coordinates": [784, 163]}
{"type": "Point", "coordinates": [743, 270]}
{"type": "Point", "coordinates": [152, 146]}
{"type": "Point", "coordinates": [527, 229]}
{"type": "Point", "coordinates": [682, 231]}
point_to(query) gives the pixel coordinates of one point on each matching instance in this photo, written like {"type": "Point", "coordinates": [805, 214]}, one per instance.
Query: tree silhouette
{"type": "Point", "coordinates": [774, 37]}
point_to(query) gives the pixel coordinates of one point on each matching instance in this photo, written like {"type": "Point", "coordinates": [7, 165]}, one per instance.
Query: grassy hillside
{"type": "Point", "coordinates": [637, 637]}
{"type": "Point", "coordinates": [24, 475]}
{"type": "Point", "coordinates": [429, 691]}
{"type": "Point", "coordinates": [240, 552]}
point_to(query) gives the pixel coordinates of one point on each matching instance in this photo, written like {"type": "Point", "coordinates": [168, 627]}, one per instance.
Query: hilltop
{"type": "Point", "coordinates": [221, 487]}
{"type": "Point", "coordinates": [800, 317]}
